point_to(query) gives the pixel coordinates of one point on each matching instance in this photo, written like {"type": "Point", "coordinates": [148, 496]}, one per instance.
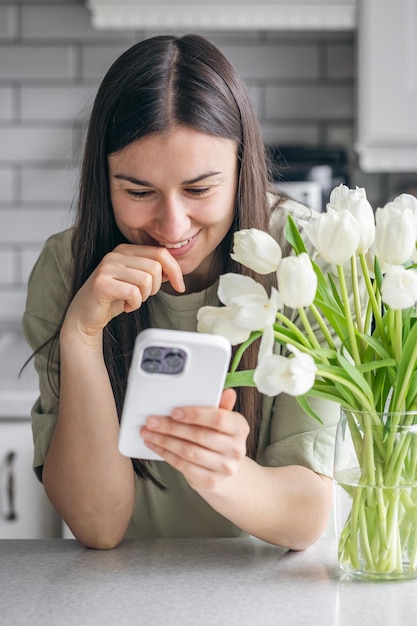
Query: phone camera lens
{"type": "Point", "coordinates": [174, 362]}
{"type": "Point", "coordinates": [151, 366]}
{"type": "Point", "coordinates": [154, 353]}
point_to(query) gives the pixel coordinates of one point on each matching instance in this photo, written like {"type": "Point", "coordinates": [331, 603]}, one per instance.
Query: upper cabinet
{"type": "Point", "coordinates": [387, 85]}
{"type": "Point", "coordinates": [224, 14]}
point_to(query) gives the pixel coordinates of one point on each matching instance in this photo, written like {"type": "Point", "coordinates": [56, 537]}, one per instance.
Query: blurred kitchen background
{"type": "Point", "coordinates": [335, 86]}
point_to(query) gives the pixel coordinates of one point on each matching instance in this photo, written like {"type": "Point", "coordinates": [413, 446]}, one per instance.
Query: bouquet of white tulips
{"type": "Point", "coordinates": [355, 340]}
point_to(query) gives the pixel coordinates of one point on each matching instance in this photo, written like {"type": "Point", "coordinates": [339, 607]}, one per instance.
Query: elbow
{"type": "Point", "coordinates": [99, 539]}
{"type": "Point", "coordinates": [99, 543]}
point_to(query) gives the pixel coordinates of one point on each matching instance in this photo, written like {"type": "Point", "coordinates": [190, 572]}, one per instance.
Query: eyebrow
{"type": "Point", "coordinates": [145, 183]}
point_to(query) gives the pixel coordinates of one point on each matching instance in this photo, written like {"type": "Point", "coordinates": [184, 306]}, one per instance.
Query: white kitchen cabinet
{"type": "Point", "coordinates": [387, 85]}
{"type": "Point", "coordinates": [25, 511]}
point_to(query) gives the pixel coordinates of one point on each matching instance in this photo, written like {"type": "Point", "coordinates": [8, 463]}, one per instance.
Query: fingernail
{"type": "Point", "coordinates": [178, 414]}
{"type": "Point", "coordinates": [153, 422]}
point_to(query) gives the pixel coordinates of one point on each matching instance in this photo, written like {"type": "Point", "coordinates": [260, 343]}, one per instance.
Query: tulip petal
{"type": "Point", "coordinates": [256, 250]}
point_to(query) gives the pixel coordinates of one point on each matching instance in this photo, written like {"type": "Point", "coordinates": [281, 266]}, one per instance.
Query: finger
{"type": "Point", "coordinates": [180, 437]}
{"type": "Point", "coordinates": [228, 399]}
{"type": "Point", "coordinates": [220, 420]}
{"type": "Point", "coordinates": [171, 270]}
{"type": "Point", "coordinates": [200, 475]}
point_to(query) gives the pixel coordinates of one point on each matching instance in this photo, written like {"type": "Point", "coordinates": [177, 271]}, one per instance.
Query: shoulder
{"type": "Point", "coordinates": [56, 256]}
{"type": "Point", "coordinates": [50, 279]}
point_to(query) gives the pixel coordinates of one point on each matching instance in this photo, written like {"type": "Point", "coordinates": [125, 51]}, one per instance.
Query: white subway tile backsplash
{"type": "Point", "coordinates": [65, 102]}
{"type": "Point", "coordinates": [314, 102]}
{"type": "Point", "coordinates": [96, 60]}
{"type": "Point", "coordinates": [61, 22]}
{"type": "Point", "coordinates": [12, 303]}
{"type": "Point", "coordinates": [8, 22]}
{"type": "Point", "coordinates": [32, 225]}
{"type": "Point", "coordinates": [290, 134]}
{"type": "Point", "coordinates": [51, 62]}
{"type": "Point", "coordinates": [23, 62]}
{"type": "Point", "coordinates": [6, 184]}
{"type": "Point", "coordinates": [269, 62]}
{"type": "Point", "coordinates": [56, 185]}
{"type": "Point", "coordinates": [340, 61]}
{"type": "Point", "coordinates": [29, 257]}
{"type": "Point", "coordinates": [6, 267]}
{"type": "Point", "coordinates": [5, 103]}
{"type": "Point", "coordinates": [25, 144]}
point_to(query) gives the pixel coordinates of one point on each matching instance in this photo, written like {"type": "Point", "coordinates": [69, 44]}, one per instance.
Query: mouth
{"type": "Point", "coordinates": [173, 246]}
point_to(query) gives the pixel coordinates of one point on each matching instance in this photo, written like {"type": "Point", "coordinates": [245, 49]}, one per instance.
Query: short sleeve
{"type": "Point", "coordinates": [47, 297]}
{"type": "Point", "coordinates": [292, 437]}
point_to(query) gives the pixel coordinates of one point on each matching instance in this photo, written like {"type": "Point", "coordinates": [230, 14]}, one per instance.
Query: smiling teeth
{"type": "Point", "coordinates": [174, 245]}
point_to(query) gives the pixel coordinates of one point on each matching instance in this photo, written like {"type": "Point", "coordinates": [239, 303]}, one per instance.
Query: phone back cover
{"type": "Point", "coordinates": [199, 384]}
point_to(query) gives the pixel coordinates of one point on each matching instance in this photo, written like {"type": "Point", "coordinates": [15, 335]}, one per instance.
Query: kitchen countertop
{"type": "Point", "coordinates": [195, 582]}
{"type": "Point", "coordinates": [18, 392]}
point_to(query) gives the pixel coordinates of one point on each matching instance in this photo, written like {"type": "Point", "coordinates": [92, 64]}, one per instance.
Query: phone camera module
{"type": "Point", "coordinates": [163, 360]}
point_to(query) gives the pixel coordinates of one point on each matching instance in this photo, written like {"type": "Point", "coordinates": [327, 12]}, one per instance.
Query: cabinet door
{"type": "Point", "coordinates": [387, 90]}
{"type": "Point", "coordinates": [25, 511]}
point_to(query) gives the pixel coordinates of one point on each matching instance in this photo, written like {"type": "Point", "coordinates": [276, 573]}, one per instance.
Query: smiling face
{"type": "Point", "coordinates": [177, 190]}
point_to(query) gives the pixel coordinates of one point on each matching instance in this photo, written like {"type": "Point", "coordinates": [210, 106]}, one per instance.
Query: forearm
{"type": "Point", "coordinates": [286, 506]}
{"type": "Point", "coordinates": [89, 482]}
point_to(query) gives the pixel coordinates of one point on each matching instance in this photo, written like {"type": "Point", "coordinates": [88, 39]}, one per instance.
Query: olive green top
{"type": "Point", "coordinates": [288, 436]}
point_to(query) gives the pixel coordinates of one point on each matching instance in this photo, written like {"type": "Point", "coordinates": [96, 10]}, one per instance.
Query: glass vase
{"type": "Point", "coordinates": [375, 473]}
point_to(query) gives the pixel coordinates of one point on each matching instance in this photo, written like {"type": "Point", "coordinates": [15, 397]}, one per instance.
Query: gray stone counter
{"type": "Point", "coordinates": [191, 582]}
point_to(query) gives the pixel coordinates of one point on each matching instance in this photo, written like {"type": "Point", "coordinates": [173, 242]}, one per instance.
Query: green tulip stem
{"type": "Point", "coordinates": [356, 294]}
{"type": "Point", "coordinates": [405, 381]}
{"type": "Point", "coordinates": [241, 349]}
{"type": "Point", "coordinates": [362, 399]}
{"type": "Point", "coordinates": [351, 330]}
{"type": "Point", "coordinates": [283, 319]}
{"type": "Point", "coordinates": [395, 330]}
{"type": "Point", "coordinates": [376, 307]}
{"type": "Point", "coordinates": [310, 332]}
{"type": "Point", "coordinates": [323, 326]}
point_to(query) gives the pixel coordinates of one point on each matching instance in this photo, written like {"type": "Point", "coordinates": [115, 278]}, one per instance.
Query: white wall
{"type": "Point", "coordinates": [51, 62]}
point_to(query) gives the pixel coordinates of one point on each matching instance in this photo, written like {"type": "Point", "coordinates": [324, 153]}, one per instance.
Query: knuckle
{"type": "Point", "coordinates": [147, 281]}
{"type": "Point", "coordinates": [219, 420]}
{"type": "Point", "coordinates": [228, 468]}
{"type": "Point", "coordinates": [237, 453]}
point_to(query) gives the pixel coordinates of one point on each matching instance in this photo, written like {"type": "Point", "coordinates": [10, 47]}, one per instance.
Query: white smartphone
{"type": "Point", "coordinates": [170, 368]}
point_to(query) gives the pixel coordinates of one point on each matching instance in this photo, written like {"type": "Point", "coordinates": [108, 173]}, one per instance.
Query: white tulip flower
{"type": "Point", "coordinates": [355, 202]}
{"type": "Point", "coordinates": [297, 281]}
{"type": "Point", "coordinates": [409, 201]}
{"type": "Point", "coordinates": [220, 321]}
{"type": "Point", "coordinates": [334, 234]}
{"type": "Point", "coordinates": [399, 288]}
{"type": "Point", "coordinates": [248, 308]}
{"type": "Point", "coordinates": [277, 374]}
{"type": "Point", "coordinates": [256, 250]}
{"type": "Point", "coordinates": [396, 229]}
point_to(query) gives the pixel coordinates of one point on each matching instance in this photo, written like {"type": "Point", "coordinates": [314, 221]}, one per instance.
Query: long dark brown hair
{"type": "Point", "coordinates": [159, 83]}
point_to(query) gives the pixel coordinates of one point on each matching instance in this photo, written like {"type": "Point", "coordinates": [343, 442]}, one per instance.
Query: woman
{"type": "Point", "coordinates": [174, 164]}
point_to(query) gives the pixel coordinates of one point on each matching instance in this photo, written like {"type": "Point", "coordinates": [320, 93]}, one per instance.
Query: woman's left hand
{"type": "Point", "coordinates": [205, 444]}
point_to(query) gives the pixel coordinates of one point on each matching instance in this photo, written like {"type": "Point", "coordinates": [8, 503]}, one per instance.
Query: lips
{"type": "Point", "coordinates": [171, 246]}
{"type": "Point", "coordinates": [179, 248]}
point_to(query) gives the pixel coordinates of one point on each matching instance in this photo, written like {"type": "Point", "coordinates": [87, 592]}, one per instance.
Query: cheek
{"type": "Point", "coordinates": [126, 213]}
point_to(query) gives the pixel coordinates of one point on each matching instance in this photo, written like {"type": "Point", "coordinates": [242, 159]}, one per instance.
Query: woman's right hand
{"type": "Point", "coordinates": [122, 281]}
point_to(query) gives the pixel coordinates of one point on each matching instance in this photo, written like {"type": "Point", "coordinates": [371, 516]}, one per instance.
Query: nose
{"type": "Point", "coordinates": [172, 220]}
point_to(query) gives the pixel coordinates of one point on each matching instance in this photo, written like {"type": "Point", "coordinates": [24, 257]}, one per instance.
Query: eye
{"type": "Point", "coordinates": [138, 195]}
{"type": "Point", "coordinates": [198, 191]}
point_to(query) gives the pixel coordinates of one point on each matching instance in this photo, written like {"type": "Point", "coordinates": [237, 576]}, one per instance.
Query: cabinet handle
{"type": "Point", "coordinates": [11, 515]}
